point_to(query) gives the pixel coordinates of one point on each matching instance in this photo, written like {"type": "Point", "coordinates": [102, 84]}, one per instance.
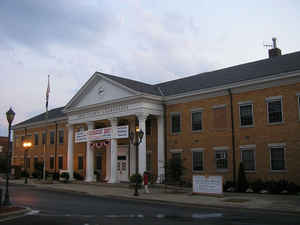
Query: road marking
{"type": "Point", "coordinates": [205, 216]}
{"type": "Point", "coordinates": [33, 212]}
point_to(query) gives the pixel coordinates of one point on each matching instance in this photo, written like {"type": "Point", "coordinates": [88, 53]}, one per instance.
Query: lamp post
{"type": "Point", "coordinates": [10, 115]}
{"type": "Point", "coordinates": [136, 139]}
{"type": "Point", "coordinates": [26, 145]}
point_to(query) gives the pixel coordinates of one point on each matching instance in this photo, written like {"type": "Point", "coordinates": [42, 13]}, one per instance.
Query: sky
{"type": "Point", "coordinates": [150, 41]}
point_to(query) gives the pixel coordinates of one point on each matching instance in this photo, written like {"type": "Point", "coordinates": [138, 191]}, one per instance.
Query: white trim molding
{"type": "Point", "coordinates": [176, 150]}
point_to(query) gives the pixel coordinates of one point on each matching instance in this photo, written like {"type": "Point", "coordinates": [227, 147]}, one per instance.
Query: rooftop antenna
{"type": "Point", "coordinates": [274, 45]}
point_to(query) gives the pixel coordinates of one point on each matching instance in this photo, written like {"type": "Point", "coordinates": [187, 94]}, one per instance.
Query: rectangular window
{"type": "Point", "coordinates": [277, 158]}
{"type": "Point", "coordinates": [197, 160]}
{"type": "Point", "coordinates": [149, 161]}
{"type": "Point", "coordinates": [176, 155]}
{"type": "Point", "coordinates": [52, 139]}
{"type": "Point", "coordinates": [248, 159]}
{"type": "Point", "coordinates": [51, 162]}
{"type": "Point", "coordinates": [36, 139]}
{"type": "Point", "coordinates": [196, 121]}
{"type": "Point", "coordinates": [274, 110]}
{"type": "Point", "coordinates": [221, 160]}
{"type": "Point", "coordinates": [44, 138]}
{"type": "Point", "coordinates": [60, 162]}
{"type": "Point", "coordinates": [148, 126]}
{"type": "Point", "coordinates": [175, 123]}
{"type": "Point", "coordinates": [99, 162]}
{"type": "Point", "coordinates": [246, 115]}
{"type": "Point", "coordinates": [220, 117]}
{"type": "Point", "coordinates": [28, 163]}
{"type": "Point", "coordinates": [80, 162]}
{"type": "Point", "coordinates": [61, 136]}
{"type": "Point", "coordinates": [35, 162]}
{"type": "Point", "coordinates": [299, 106]}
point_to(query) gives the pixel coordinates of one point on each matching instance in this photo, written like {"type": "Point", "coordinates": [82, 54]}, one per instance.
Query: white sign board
{"type": "Point", "coordinates": [80, 137]}
{"type": "Point", "coordinates": [207, 184]}
{"type": "Point", "coordinates": [100, 134]}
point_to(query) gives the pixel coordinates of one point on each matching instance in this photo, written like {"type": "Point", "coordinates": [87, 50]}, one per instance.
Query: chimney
{"type": "Point", "coordinates": [274, 51]}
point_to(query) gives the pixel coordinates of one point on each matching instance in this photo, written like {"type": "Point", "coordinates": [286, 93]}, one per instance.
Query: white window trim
{"type": "Point", "coordinates": [252, 109]}
{"type": "Point", "coordinates": [197, 150]}
{"type": "Point", "coordinates": [278, 145]}
{"type": "Point", "coordinates": [221, 148]}
{"type": "Point", "coordinates": [270, 99]}
{"type": "Point", "coordinates": [219, 106]}
{"type": "Point", "coordinates": [245, 148]}
{"type": "Point", "coordinates": [195, 111]}
{"type": "Point", "coordinates": [180, 119]}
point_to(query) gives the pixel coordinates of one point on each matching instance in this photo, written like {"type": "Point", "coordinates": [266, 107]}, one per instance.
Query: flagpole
{"type": "Point", "coordinates": [46, 130]}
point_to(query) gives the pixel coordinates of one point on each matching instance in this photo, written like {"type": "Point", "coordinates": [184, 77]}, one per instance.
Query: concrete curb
{"type": "Point", "coordinates": [15, 214]}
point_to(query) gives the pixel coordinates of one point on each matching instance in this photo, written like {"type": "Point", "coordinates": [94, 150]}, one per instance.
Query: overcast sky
{"type": "Point", "coordinates": [150, 41]}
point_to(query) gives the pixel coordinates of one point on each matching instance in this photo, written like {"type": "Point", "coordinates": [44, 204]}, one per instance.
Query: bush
{"type": "Point", "coordinates": [77, 176]}
{"type": "Point", "coordinates": [24, 173]}
{"type": "Point", "coordinates": [134, 177]}
{"type": "Point", "coordinates": [55, 176]}
{"type": "Point", "coordinates": [65, 176]}
{"type": "Point", "coordinates": [257, 185]}
{"type": "Point", "coordinates": [228, 184]}
{"type": "Point", "coordinates": [242, 180]}
{"type": "Point", "coordinates": [174, 170]}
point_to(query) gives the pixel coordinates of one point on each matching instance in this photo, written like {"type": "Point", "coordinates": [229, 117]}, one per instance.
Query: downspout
{"type": "Point", "coordinates": [233, 139]}
{"type": "Point", "coordinates": [55, 150]}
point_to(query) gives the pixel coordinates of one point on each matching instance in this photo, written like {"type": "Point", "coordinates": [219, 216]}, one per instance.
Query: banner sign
{"type": "Point", "coordinates": [208, 185]}
{"type": "Point", "coordinates": [101, 134]}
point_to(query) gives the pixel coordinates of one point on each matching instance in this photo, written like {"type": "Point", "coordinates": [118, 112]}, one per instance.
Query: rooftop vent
{"type": "Point", "coordinates": [273, 52]}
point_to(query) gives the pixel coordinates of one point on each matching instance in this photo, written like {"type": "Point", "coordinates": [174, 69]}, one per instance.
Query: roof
{"type": "Point", "coordinates": [52, 114]}
{"type": "Point", "coordinates": [134, 85]}
{"type": "Point", "coordinates": [243, 72]}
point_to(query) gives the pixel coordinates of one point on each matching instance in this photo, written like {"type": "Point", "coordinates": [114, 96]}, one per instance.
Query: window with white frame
{"type": "Point", "coordinates": [274, 110]}
{"type": "Point", "coordinates": [196, 120]}
{"type": "Point", "coordinates": [197, 160]}
{"type": "Point", "coordinates": [248, 158]}
{"type": "Point", "coordinates": [221, 159]}
{"type": "Point", "coordinates": [246, 114]}
{"type": "Point", "coordinates": [277, 157]}
{"type": "Point", "coordinates": [175, 123]}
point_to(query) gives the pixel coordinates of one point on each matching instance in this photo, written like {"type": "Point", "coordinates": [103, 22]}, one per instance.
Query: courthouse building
{"type": "Point", "coordinates": [212, 121]}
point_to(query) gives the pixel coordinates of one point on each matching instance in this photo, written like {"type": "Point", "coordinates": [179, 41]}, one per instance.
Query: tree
{"type": "Point", "coordinates": [174, 170]}
{"type": "Point", "coordinates": [242, 180]}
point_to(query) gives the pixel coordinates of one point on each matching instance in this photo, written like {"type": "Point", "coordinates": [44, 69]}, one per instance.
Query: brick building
{"type": "Point", "coordinates": [213, 121]}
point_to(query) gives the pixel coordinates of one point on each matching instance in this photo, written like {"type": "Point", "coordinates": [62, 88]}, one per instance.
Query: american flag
{"type": "Point", "coordinates": [47, 92]}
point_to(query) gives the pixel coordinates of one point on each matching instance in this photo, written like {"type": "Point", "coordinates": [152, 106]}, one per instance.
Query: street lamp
{"type": "Point", "coordinates": [10, 115]}
{"type": "Point", "coordinates": [26, 145]}
{"type": "Point", "coordinates": [136, 139]}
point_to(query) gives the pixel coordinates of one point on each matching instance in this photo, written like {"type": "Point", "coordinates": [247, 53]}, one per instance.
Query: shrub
{"type": "Point", "coordinates": [228, 184]}
{"type": "Point", "coordinates": [24, 173]}
{"type": "Point", "coordinates": [55, 176]}
{"type": "Point", "coordinates": [174, 170]}
{"type": "Point", "coordinates": [242, 180]}
{"type": "Point", "coordinates": [134, 177]}
{"type": "Point", "coordinates": [65, 175]}
{"type": "Point", "coordinates": [258, 185]}
{"type": "Point", "coordinates": [77, 176]}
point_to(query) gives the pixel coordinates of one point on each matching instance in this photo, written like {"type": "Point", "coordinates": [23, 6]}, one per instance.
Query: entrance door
{"type": "Point", "coordinates": [122, 168]}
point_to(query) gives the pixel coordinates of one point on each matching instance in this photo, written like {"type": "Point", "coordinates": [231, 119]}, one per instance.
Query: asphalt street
{"type": "Point", "coordinates": [66, 208]}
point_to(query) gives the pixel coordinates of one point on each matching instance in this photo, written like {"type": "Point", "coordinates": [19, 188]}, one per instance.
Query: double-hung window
{"type": "Point", "coordinates": [221, 156]}
{"type": "Point", "coordinates": [51, 162]}
{"type": "Point", "coordinates": [198, 160]}
{"type": "Point", "coordinates": [52, 137]}
{"type": "Point", "coordinates": [60, 162]}
{"type": "Point", "coordinates": [248, 157]}
{"type": "Point", "coordinates": [277, 156]}
{"type": "Point", "coordinates": [196, 120]}
{"type": "Point", "coordinates": [36, 139]}
{"type": "Point", "coordinates": [246, 114]}
{"type": "Point", "coordinates": [61, 136]}
{"type": "Point", "coordinates": [274, 105]}
{"type": "Point", "coordinates": [80, 162]}
{"type": "Point", "coordinates": [175, 123]}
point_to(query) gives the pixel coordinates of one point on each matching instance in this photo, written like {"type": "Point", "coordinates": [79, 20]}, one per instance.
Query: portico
{"type": "Point", "coordinates": [104, 104]}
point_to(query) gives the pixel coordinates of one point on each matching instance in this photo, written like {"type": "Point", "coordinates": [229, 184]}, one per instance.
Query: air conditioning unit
{"type": "Point", "coordinates": [221, 155]}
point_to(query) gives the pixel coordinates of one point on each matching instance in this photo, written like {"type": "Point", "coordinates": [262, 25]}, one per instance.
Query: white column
{"type": "Point", "coordinates": [142, 147]}
{"type": "Point", "coordinates": [132, 150]}
{"type": "Point", "coordinates": [113, 152]}
{"type": "Point", "coordinates": [107, 163]}
{"type": "Point", "coordinates": [89, 175]}
{"type": "Point", "coordinates": [160, 149]}
{"type": "Point", "coordinates": [70, 150]}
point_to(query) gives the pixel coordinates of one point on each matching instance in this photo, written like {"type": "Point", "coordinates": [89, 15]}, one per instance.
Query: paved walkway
{"type": "Point", "coordinates": [285, 203]}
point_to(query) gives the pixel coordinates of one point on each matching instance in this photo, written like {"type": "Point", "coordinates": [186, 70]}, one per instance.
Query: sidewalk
{"type": "Point", "coordinates": [283, 203]}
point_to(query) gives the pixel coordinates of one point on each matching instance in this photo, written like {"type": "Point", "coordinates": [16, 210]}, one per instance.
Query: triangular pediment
{"type": "Point", "coordinates": [99, 90]}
